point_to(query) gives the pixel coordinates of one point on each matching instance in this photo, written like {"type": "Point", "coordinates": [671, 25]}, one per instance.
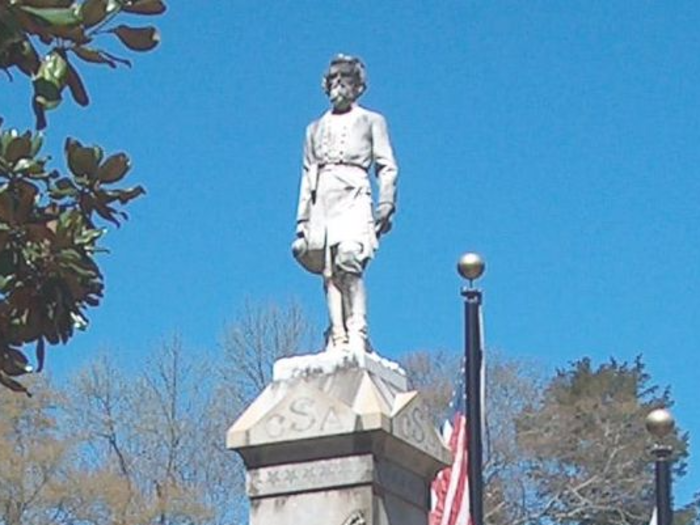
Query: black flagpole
{"type": "Point", "coordinates": [660, 424]}
{"type": "Point", "coordinates": [471, 267]}
{"type": "Point", "coordinates": [662, 455]}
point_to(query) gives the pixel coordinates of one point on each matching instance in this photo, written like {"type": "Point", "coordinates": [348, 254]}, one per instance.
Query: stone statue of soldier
{"type": "Point", "coordinates": [337, 228]}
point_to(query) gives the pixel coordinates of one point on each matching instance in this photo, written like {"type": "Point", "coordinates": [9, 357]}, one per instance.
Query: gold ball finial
{"type": "Point", "coordinates": [471, 266]}
{"type": "Point", "coordinates": [660, 423]}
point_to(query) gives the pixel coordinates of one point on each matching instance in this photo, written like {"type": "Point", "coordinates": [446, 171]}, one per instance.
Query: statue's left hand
{"type": "Point", "coordinates": [382, 222]}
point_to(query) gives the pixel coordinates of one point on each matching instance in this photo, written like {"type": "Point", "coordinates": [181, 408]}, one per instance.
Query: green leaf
{"type": "Point", "coordinates": [37, 142]}
{"type": "Point", "coordinates": [59, 16]}
{"type": "Point", "coordinates": [80, 322]}
{"type": "Point", "coordinates": [26, 198]}
{"type": "Point", "coordinates": [79, 270]}
{"type": "Point", "coordinates": [89, 236]}
{"type": "Point", "coordinates": [82, 161]}
{"type": "Point", "coordinates": [106, 212]}
{"type": "Point", "coordinates": [65, 184]}
{"type": "Point", "coordinates": [8, 268]}
{"type": "Point", "coordinates": [145, 7]}
{"type": "Point", "coordinates": [18, 148]}
{"type": "Point", "coordinates": [39, 113]}
{"type": "Point", "coordinates": [114, 168]}
{"type": "Point", "coordinates": [126, 195]}
{"type": "Point", "coordinates": [48, 3]}
{"type": "Point", "coordinates": [76, 86]}
{"type": "Point", "coordinates": [93, 56]}
{"type": "Point", "coordinates": [50, 80]}
{"type": "Point", "coordinates": [138, 38]}
{"type": "Point", "coordinates": [40, 354]}
{"type": "Point", "coordinates": [5, 138]}
{"type": "Point", "coordinates": [26, 58]}
{"type": "Point", "coordinates": [13, 385]}
{"type": "Point", "coordinates": [54, 68]}
{"type": "Point", "coordinates": [93, 12]}
{"type": "Point", "coordinates": [69, 255]}
{"type": "Point", "coordinates": [47, 95]}
{"type": "Point", "coordinates": [31, 167]}
{"type": "Point", "coordinates": [13, 362]}
{"type": "Point", "coordinates": [7, 207]}
{"type": "Point", "coordinates": [5, 282]}
{"type": "Point", "coordinates": [75, 34]}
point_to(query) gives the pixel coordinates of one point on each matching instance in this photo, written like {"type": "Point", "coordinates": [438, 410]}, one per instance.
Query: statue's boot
{"type": "Point", "coordinates": [336, 335]}
{"type": "Point", "coordinates": [355, 308]}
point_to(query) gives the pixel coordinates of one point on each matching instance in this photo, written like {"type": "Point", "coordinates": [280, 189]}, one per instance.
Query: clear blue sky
{"type": "Point", "coordinates": [559, 139]}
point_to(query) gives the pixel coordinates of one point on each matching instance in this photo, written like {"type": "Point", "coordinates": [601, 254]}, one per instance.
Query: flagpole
{"type": "Point", "coordinates": [471, 267]}
{"type": "Point", "coordinates": [660, 424]}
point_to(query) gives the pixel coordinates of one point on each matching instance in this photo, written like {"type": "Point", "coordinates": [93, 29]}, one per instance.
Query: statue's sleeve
{"type": "Point", "coordinates": [384, 163]}
{"type": "Point", "coordinates": [304, 207]}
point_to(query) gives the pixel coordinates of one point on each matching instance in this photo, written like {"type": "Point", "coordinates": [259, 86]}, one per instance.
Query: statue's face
{"type": "Point", "coordinates": [342, 85]}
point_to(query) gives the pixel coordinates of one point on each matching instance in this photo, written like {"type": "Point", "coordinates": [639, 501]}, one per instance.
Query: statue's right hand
{"type": "Point", "coordinates": [299, 245]}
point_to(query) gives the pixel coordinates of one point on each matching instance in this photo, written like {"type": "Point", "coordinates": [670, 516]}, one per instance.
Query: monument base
{"type": "Point", "coordinates": [338, 439]}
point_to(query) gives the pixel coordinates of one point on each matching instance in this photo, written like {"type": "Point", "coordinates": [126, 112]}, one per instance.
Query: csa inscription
{"type": "Point", "coordinates": [413, 426]}
{"type": "Point", "coordinates": [303, 415]}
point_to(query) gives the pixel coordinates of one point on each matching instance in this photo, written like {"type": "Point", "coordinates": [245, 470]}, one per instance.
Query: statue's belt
{"type": "Point", "coordinates": [323, 165]}
{"type": "Point", "coordinates": [314, 172]}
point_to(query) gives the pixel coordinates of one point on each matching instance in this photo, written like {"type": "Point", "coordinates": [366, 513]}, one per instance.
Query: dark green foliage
{"type": "Point", "coordinates": [50, 221]}
{"type": "Point", "coordinates": [41, 38]}
{"type": "Point", "coordinates": [48, 240]}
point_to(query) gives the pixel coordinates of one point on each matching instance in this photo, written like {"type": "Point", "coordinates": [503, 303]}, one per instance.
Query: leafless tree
{"type": "Point", "coordinates": [510, 385]}
{"type": "Point", "coordinates": [33, 457]}
{"type": "Point", "coordinates": [259, 335]}
{"type": "Point", "coordinates": [147, 439]}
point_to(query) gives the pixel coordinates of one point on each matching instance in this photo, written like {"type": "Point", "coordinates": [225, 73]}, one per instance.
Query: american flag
{"type": "Point", "coordinates": [450, 489]}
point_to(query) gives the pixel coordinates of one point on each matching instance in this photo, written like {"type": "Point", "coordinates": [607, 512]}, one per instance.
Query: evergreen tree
{"type": "Point", "coordinates": [586, 448]}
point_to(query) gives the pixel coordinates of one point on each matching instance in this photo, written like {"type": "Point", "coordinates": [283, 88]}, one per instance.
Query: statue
{"type": "Point", "coordinates": [337, 231]}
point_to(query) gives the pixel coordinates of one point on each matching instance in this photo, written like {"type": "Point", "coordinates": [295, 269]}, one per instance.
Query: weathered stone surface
{"type": "Point", "coordinates": [330, 442]}
{"type": "Point", "coordinates": [332, 362]}
{"type": "Point", "coordinates": [411, 423]}
{"type": "Point", "coordinates": [303, 413]}
{"type": "Point", "coordinates": [313, 475]}
{"type": "Point", "coordinates": [333, 507]}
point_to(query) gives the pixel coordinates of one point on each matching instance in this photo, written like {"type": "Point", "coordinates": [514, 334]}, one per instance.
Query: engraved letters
{"type": "Point", "coordinates": [330, 420]}
{"type": "Point", "coordinates": [304, 414]}
{"type": "Point", "coordinates": [274, 426]}
{"type": "Point", "coordinates": [411, 425]}
{"type": "Point", "coordinates": [301, 420]}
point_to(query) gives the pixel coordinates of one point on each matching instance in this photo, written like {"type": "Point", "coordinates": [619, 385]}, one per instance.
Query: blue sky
{"type": "Point", "coordinates": [559, 139]}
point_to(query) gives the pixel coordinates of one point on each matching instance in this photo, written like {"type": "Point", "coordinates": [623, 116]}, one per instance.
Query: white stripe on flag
{"type": "Point", "coordinates": [652, 521]}
{"type": "Point", "coordinates": [456, 497]}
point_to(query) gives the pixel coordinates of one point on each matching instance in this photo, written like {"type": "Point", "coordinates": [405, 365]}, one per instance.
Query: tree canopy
{"type": "Point", "coordinates": [42, 38]}
{"type": "Point", "coordinates": [587, 451]}
{"type": "Point", "coordinates": [571, 449]}
{"type": "Point", "coordinates": [51, 220]}
{"type": "Point", "coordinates": [116, 446]}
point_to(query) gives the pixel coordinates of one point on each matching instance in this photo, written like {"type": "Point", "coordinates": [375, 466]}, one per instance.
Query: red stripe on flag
{"type": "Point", "coordinates": [451, 486]}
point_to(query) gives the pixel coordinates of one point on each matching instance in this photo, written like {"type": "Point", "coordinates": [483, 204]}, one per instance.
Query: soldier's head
{"type": "Point", "coordinates": [345, 81]}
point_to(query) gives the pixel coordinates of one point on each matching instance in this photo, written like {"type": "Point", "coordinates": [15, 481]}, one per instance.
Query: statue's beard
{"type": "Point", "coordinates": [341, 95]}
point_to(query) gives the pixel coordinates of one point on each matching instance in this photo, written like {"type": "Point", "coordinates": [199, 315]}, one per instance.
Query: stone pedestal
{"type": "Point", "coordinates": [337, 439]}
